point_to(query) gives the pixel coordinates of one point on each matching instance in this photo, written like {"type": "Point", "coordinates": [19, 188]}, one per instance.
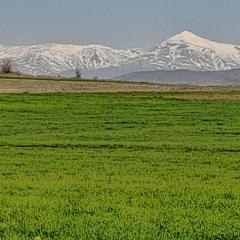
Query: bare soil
{"type": "Point", "coordinates": [206, 97]}
{"type": "Point", "coordinates": [28, 85]}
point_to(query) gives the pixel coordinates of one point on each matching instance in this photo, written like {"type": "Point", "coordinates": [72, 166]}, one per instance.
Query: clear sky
{"type": "Point", "coordinates": [116, 23]}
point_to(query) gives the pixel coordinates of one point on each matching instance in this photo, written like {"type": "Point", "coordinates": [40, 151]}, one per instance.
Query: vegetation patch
{"type": "Point", "coordinates": [119, 166]}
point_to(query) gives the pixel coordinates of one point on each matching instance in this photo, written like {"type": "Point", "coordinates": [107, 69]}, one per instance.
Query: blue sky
{"type": "Point", "coordinates": [116, 23]}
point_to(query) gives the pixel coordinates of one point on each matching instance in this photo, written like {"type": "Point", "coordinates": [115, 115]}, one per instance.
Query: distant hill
{"type": "Point", "coordinates": [201, 78]}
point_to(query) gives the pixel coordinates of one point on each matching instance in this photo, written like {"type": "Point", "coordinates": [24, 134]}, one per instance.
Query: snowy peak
{"type": "Point", "coordinates": [188, 37]}
{"type": "Point", "coordinates": [192, 39]}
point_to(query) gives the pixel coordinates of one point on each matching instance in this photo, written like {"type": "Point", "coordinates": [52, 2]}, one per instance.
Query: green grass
{"type": "Point", "coordinates": [118, 166]}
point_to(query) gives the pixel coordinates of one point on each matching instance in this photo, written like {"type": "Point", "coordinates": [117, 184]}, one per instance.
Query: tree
{"type": "Point", "coordinates": [6, 65]}
{"type": "Point", "coordinates": [78, 73]}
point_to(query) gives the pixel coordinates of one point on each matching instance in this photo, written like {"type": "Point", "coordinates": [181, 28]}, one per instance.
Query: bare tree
{"type": "Point", "coordinates": [78, 73]}
{"type": "Point", "coordinates": [6, 65]}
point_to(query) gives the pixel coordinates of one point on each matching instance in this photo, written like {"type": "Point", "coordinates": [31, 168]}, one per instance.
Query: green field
{"type": "Point", "coordinates": [118, 166]}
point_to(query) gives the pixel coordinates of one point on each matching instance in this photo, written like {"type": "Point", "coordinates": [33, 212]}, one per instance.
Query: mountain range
{"type": "Point", "coordinates": [184, 51]}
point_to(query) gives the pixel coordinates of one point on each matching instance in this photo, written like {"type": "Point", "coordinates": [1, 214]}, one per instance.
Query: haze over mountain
{"type": "Point", "coordinates": [200, 78]}
{"type": "Point", "coordinates": [182, 51]}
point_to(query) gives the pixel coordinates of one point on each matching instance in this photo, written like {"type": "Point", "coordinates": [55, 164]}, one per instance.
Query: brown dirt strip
{"type": "Point", "coordinates": [51, 86]}
{"type": "Point", "coordinates": [202, 97]}
{"type": "Point", "coordinates": [166, 90]}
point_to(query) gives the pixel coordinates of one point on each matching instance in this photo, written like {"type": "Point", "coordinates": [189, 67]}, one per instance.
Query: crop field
{"type": "Point", "coordinates": [120, 166]}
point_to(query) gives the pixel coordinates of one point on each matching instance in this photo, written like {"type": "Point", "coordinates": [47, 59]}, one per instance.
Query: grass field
{"type": "Point", "coordinates": [119, 166]}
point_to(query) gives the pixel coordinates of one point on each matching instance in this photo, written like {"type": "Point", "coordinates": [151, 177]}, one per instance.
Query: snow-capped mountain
{"type": "Point", "coordinates": [56, 58]}
{"type": "Point", "coordinates": [189, 51]}
{"type": "Point", "coordinates": [183, 51]}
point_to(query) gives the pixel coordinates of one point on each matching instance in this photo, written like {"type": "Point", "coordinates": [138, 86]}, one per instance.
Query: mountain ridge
{"type": "Point", "coordinates": [183, 76]}
{"type": "Point", "coordinates": [182, 51]}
